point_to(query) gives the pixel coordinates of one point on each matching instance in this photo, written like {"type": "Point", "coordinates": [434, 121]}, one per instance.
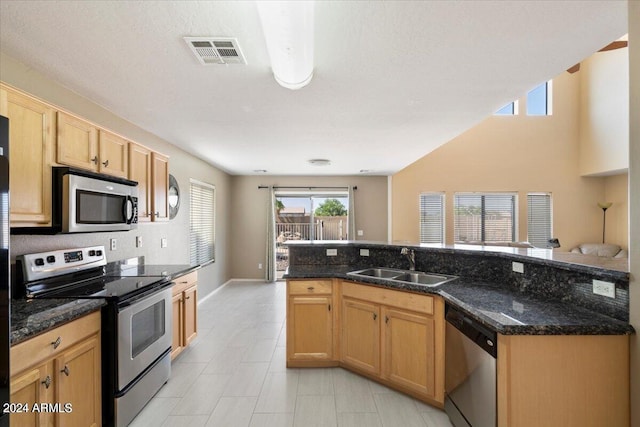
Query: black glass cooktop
{"type": "Point", "coordinates": [116, 288]}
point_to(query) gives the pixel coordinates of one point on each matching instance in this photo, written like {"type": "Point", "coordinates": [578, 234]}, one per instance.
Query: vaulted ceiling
{"type": "Point", "coordinates": [393, 79]}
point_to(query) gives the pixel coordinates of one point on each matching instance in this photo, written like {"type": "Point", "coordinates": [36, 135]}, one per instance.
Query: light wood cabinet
{"type": "Point", "coordinates": [396, 337]}
{"type": "Point", "coordinates": [61, 366]}
{"type": "Point", "coordinates": [563, 380]}
{"type": "Point", "coordinates": [83, 145]}
{"type": "Point", "coordinates": [32, 135]}
{"type": "Point", "coordinates": [361, 335]}
{"type": "Point", "coordinates": [140, 171]}
{"type": "Point", "coordinates": [160, 190]}
{"type": "Point", "coordinates": [151, 171]}
{"type": "Point", "coordinates": [77, 143]}
{"type": "Point", "coordinates": [185, 312]}
{"type": "Point", "coordinates": [310, 320]}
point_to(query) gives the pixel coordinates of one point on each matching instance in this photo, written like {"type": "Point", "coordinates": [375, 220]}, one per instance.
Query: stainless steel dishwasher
{"type": "Point", "coordinates": [470, 373]}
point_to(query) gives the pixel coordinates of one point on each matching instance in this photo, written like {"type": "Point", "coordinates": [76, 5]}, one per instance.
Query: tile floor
{"type": "Point", "coordinates": [234, 375]}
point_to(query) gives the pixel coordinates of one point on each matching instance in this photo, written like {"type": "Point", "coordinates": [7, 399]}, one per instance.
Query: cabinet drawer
{"type": "Point", "coordinates": [400, 299]}
{"type": "Point", "coordinates": [307, 287]}
{"type": "Point", "coordinates": [184, 282]}
{"type": "Point", "coordinates": [35, 350]}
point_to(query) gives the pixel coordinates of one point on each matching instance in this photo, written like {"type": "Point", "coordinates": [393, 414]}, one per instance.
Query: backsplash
{"type": "Point", "coordinates": [570, 283]}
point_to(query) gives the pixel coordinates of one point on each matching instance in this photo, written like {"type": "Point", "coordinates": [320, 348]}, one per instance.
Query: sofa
{"type": "Point", "coordinates": [600, 249]}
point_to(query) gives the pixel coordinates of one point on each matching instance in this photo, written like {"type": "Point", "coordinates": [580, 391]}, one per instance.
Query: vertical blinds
{"type": "Point", "coordinates": [484, 217]}
{"type": "Point", "coordinates": [202, 220]}
{"type": "Point", "coordinates": [539, 219]}
{"type": "Point", "coordinates": [432, 218]}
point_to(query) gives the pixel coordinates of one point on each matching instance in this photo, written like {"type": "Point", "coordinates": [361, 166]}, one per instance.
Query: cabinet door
{"type": "Point", "coordinates": [113, 154]}
{"type": "Point", "coordinates": [78, 383]}
{"type": "Point", "coordinates": [310, 334]}
{"type": "Point", "coordinates": [160, 191]}
{"type": "Point", "coordinates": [77, 143]}
{"type": "Point", "coordinates": [140, 171]}
{"type": "Point", "coordinates": [361, 335]}
{"type": "Point", "coordinates": [30, 387]}
{"type": "Point", "coordinates": [177, 340]}
{"type": "Point", "coordinates": [190, 314]}
{"type": "Point", "coordinates": [31, 132]}
{"type": "Point", "coordinates": [409, 350]}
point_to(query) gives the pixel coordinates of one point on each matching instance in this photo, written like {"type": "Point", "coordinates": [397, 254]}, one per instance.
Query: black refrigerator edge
{"type": "Point", "coordinates": [5, 270]}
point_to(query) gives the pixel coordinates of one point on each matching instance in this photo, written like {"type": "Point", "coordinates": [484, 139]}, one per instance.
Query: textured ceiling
{"type": "Point", "coordinates": [393, 80]}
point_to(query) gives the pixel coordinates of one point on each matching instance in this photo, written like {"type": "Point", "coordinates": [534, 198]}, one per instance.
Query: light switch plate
{"type": "Point", "coordinates": [163, 242]}
{"type": "Point", "coordinates": [360, 233]}
{"type": "Point", "coordinates": [518, 267]}
{"type": "Point", "coordinates": [138, 241]}
{"type": "Point", "coordinates": [364, 252]}
{"type": "Point", "coordinates": [607, 289]}
{"type": "Point", "coordinates": [332, 252]}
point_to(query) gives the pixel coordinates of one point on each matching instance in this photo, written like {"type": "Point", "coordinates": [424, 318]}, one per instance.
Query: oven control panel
{"type": "Point", "coordinates": [55, 263]}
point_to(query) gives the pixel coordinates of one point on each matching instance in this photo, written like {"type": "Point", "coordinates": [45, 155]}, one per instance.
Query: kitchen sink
{"type": "Point", "coordinates": [405, 276]}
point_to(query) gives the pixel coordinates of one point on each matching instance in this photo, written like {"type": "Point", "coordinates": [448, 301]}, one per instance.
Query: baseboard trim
{"type": "Point", "coordinates": [210, 294]}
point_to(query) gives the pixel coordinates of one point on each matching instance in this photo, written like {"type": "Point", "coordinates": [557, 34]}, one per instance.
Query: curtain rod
{"type": "Point", "coordinates": [261, 187]}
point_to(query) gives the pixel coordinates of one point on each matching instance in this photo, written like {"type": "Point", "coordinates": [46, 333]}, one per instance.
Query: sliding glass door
{"type": "Point", "coordinates": [309, 216]}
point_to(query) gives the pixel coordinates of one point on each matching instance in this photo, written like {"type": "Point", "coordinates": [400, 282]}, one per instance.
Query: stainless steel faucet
{"type": "Point", "coordinates": [411, 256]}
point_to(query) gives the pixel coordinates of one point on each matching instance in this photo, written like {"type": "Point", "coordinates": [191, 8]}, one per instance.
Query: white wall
{"type": "Point", "coordinates": [634, 204]}
{"type": "Point", "coordinates": [604, 113]}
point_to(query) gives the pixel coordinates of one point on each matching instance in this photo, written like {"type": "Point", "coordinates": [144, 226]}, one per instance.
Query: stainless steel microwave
{"type": "Point", "coordinates": [86, 202]}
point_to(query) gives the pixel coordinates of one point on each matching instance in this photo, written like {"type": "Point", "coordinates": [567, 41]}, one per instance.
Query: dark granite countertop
{"type": "Point", "coordinates": [32, 317]}
{"type": "Point", "coordinates": [503, 309]}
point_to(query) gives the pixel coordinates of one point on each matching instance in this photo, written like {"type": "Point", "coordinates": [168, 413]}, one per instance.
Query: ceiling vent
{"type": "Point", "coordinates": [216, 50]}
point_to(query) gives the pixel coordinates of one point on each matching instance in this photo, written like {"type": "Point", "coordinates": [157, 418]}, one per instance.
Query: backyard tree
{"type": "Point", "coordinates": [331, 207]}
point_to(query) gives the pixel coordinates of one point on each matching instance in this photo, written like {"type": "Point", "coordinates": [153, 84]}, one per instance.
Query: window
{"type": "Point", "coordinates": [432, 218]}
{"type": "Point", "coordinates": [539, 219]}
{"type": "Point", "coordinates": [484, 217]}
{"type": "Point", "coordinates": [202, 222]}
{"type": "Point", "coordinates": [539, 100]}
{"type": "Point", "coordinates": [511, 109]}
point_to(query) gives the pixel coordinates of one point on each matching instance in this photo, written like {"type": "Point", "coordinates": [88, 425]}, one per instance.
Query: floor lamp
{"type": "Point", "coordinates": [604, 206]}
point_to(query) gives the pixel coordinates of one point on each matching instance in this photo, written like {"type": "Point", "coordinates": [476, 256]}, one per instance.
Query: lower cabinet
{"type": "Point", "coordinates": [185, 312]}
{"type": "Point", "coordinates": [60, 372]}
{"type": "Point", "coordinates": [310, 316]}
{"type": "Point", "coordinates": [396, 337]}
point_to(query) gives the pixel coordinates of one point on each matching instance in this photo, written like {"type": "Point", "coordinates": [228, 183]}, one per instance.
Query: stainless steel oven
{"type": "Point", "coordinates": [143, 343]}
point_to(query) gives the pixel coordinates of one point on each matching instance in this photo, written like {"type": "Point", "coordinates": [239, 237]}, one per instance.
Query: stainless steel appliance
{"type": "Point", "coordinates": [136, 322]}
{"type": "Point", "coordinates": [5, 271]}
{"type": "Point", "coordinates": [470, 373]}
{"type": "Point", "coordinates": [87, 202]}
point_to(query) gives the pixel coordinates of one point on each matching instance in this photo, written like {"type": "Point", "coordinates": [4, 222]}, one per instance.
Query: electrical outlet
{"type": "Point", "coordinates": [518, 267]}
{"type": "Point", "coordinates": [360, 233]}
{"type": "Point", "coordinates": [138, 241]}
{"type": "Point", "coordinates": [259, 266]}
{"type": "Point", "coordinates": [332, 252]}
{"type": "Point", "coordinates": [364, 252]}
{"type": "Point", "coordinates": [163, 242]}
{"type": "Point", "coordinates": [112, 243]}
{"type": "Point", "coordinates": [603, 288]}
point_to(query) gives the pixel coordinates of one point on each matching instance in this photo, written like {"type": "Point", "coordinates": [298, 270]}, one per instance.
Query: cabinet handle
{"type": "Point", "coordinates": [56, 343]}
{"type": "Point", "coordinates": [47, 381]}
{"type": "Point", "coordinates": [375, 316]}
{"type": "Point", "coordinates": [329, 307]}
{"type": "Point", "coordinates": [186, 298]}
{"type": "Point", "coordinates": [65, 370]}
{"type": "Point", "coordinates": [105, 163]}
{"type": "Point", "coordinates": [386, 319]}
{"type": "Point", "coordinates": [184, 281]}
{"type": "Point", "coordinates": [95, 160]}
{"type": "Point", "coordinates": [310, 288]}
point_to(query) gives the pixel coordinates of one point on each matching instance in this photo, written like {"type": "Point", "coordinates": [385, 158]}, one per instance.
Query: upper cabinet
{"type": "Point", "coordinates": [32, 134]}
{"type": "Point", "coordinates": [160, 191]}
{"type": "Point", "coordinates": [83, 145]}
{"type": "Point", "coordinates": [42, 136]}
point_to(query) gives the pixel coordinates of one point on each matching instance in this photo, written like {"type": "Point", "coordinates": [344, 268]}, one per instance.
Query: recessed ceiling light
{"type": "Point", "coordinates": [260, 171]}
{"type": "Point", "coordinates": [320, 162]}
{"type": "Point", "coordinates": [365, 171]}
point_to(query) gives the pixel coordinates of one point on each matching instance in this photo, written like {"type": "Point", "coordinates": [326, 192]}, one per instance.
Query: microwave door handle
{"type": "Point", "coordinates": [128, 202]}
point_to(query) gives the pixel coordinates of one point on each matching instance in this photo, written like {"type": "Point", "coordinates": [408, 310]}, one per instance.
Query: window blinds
{"type": "Point", "coordinates": [484, 217]}
{"type": "Point", "coordinates": [539, 219]}
{"type": "Point", "coordinates": [432, 218]}
{"type": "Point", "coordinates": [202, 220]}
